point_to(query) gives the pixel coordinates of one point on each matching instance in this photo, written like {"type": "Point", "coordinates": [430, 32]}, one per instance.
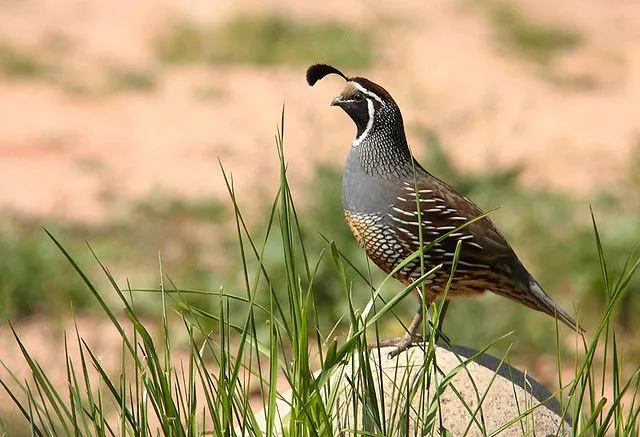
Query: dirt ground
{"type": "Point", "coordinates": [63, 153]}
{"type": "Point", "coordinates": [85, 156]}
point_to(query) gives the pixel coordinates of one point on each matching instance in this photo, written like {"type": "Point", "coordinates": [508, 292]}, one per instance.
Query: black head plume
{"type": "Point", "coordinates": [318, 71]}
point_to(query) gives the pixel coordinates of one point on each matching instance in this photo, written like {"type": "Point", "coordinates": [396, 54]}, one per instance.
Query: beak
{"type": "Point", "coordinates": [337, 101]}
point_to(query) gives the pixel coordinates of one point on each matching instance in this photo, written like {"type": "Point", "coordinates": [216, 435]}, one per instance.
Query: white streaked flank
{"type": "Point", "coordinates": [446, 228]}
{"type": "Point", "coordinates": [403, 212]}
{"type": "Point", "coordinates": [406, 222]}
{"type": "Point", "coordinates": [465, 237]}
{"type": "Point", "coordinates": [406, 232]}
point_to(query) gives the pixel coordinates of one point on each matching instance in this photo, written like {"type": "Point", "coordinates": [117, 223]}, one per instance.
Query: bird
{"type": "Point", "coordinates": [393, 207]}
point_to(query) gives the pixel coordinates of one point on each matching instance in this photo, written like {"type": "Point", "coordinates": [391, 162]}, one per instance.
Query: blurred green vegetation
{"type": "Point", "coordinates": [196, 241]}
{"type": "Point", "coordinates": [538, 41]}
{"type": "Point", "coordinates": [20, 64]}
{"type": "Point", "coordinates": [179, 234]}
{"type": "Point", "coordinates": [33, 276]}
{"type": "Point", "coordinates": [130, 79]}
{"type": "Point", "coordinates": [265, 40]}
{"type": "Point", "coordinates": [13, 424]}
{"type": "Point", "coordinates": [49, 62]}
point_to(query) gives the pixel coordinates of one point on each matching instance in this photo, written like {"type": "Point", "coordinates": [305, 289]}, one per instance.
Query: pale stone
{"type": "Point", "coordinates": [503, 391]}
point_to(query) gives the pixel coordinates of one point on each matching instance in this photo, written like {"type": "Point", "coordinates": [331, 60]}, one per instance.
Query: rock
{"type": "Point", "coordinates": [434, 397]}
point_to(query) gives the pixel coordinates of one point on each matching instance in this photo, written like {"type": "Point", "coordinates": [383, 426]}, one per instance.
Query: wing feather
{"type": "Point", "coordinates": [442, 210]}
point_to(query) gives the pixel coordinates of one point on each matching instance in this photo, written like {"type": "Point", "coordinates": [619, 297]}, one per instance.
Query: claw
{"type": "Point", "coordinates": [399, 343]}
{"type": "Point", "coordinates": [404, 344]}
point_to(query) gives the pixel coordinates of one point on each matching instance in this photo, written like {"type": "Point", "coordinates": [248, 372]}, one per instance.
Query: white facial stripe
{"type": "Point", "coordinates": [365, 91]}
{"type": "Point", "coordinates": [364, 134]}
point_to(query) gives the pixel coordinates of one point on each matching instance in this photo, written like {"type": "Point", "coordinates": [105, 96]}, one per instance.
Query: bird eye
{"type": "Point", "coordinates": [358, 97]}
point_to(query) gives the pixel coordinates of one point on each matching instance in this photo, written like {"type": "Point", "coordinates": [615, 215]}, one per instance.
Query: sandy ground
{"type": "Point", "coordinates": [85, 156]}
{"type": "Point", "coordinates": [64, 153]}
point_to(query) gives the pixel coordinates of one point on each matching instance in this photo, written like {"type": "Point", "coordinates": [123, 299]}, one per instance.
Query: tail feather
{"type": "Point", "coordinates": [548, 306]}
{"type": "Point", "coordinates": [535, 297]}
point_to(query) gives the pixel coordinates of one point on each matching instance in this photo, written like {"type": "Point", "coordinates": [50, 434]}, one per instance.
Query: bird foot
{"type": "Point", "coordinates": [401, 344]}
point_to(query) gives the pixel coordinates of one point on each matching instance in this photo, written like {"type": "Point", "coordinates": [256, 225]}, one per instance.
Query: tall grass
{"type": "Point", "coordinates": [229, 371]}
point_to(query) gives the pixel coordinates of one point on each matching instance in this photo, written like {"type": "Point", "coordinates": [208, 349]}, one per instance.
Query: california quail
{"type": "Point", "coordinates": [389, 200]}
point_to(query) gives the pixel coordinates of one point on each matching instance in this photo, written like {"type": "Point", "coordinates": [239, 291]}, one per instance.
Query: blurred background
{"type": "Point", "coordinates": [115, 117]}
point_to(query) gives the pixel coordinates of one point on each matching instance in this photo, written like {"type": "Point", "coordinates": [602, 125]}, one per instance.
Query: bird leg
{"type": "Point", "coordinates": [403, 343]}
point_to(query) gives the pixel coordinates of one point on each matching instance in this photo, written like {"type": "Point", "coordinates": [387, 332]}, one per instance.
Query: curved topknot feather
{"type": "Point", "coordinates": [318, 71]}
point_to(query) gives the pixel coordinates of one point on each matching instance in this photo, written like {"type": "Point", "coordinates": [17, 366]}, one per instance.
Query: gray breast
{"type": "Point", "coordinates": [362, 191]}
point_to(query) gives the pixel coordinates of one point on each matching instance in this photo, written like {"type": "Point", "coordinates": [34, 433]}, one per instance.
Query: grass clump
{"type": "Point", "coordinates": [33, 277]}
{"type": "Point", "coordinates": [271, 40]}
{"type": "Point", "coordinates": [120, 79]}
{"type": "Point", "coordinates": [19, 64]}
{"type": "Point", "coordinates": [540, 42]}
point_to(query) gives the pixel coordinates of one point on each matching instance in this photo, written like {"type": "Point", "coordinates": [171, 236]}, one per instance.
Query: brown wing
{"type": "Point", "coordinates": [443, 210]}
